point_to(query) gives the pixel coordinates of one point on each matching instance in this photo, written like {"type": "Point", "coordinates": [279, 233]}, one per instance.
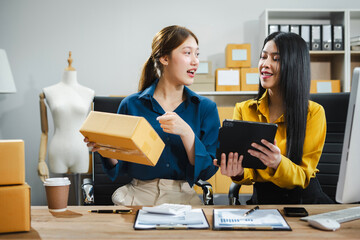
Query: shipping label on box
{"type": "Point", "coordinates": [15, 208]}
{"type": "Point", "coordinates": [228, 79]}
{"type": "Point", "coordinates": [238, 55]}
{"type": "Point", "coordinates": [204, 68]}
{"type": "Point", "coordinates": [123, 137]}
{"type": "Point", "coordinates": [12, 162]}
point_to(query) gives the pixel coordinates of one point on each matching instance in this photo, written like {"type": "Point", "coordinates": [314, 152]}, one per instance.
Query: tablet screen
{"type": "Point", "coordinates": [237, 136]}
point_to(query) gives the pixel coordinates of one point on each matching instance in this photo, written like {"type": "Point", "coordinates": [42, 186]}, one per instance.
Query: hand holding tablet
{"type": "Point", "coordinates": [237, 136]}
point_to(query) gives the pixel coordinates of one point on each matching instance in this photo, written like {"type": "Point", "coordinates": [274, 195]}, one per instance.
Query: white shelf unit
{"type": "Point", "coordinates": [230, 98]}
{"type": "Point", "coordinates": [325, 65]}
{"type": "Point", "coordinates": [228, 93]}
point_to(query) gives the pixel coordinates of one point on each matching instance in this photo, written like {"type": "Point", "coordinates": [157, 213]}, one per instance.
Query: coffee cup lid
{"type": "Point", "coordinates": [57, 181]}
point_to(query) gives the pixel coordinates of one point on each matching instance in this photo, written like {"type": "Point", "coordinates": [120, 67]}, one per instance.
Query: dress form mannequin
{"type": "Point", "coordinates": [69, 103]}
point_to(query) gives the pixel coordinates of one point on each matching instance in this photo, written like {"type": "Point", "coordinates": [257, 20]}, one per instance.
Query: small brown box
{"type": "Point", "coordinates": [15, 208]}
{"type": "Point", "coordinates": [228, 79]}
{"type": "Point", "coordinates": [238, 55]}
{"type": "Point", "coordinates": [12, 162]}
{"type": "Point", "coordinates": [204, 72]}
{"type": "Point", "coordinates": [325, 86]}
{"type": "Point", "coordinates": [204, 80]}
{"type": "Point", "coordinates": [203, 87]}
{"type": "Point", "coordinates": [123, 137]}
{"type": "Point", "coordinates": [249, 79]}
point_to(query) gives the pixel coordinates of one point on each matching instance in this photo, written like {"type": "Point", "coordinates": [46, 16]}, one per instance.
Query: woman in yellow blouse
{"type": "Point", "coordinates": [283, 98]}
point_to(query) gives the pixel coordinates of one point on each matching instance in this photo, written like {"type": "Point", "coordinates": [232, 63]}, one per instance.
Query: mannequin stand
{"type": "Point", "coordinates": [75, 194]}
{"type": "Point", "coordinates": [77, 187]}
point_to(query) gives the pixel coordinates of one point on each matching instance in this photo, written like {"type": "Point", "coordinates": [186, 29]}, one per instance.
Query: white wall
{"type": "Point", "coordinates": [110, 40]}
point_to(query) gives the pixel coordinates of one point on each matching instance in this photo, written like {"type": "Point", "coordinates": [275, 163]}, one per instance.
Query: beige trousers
{"type": "Point", "coordinates": [155, 192]}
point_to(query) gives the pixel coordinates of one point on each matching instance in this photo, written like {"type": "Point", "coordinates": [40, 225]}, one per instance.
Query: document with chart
{"type": "Point", "coordinates": [192, 219]}
{"type": "Point", "coordinates": [261, 219]}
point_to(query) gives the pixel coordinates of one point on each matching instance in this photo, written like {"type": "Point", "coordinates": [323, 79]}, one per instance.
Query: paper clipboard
{"type": "Point", "coordinates": [237, 136]}
{"type": "Point", "coordinates": [153, 221]}
{"type": "Point", "coordinates": [259, 220]}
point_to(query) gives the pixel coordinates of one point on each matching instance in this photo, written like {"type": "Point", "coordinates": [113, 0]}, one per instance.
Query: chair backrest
{"type": "Point", "coordinates": [102, 185]}
{"type": "Point", "coordinates": [336, 106]}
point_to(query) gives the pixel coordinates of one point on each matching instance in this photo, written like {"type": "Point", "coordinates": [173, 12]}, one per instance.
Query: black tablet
{"type": "Point", "coordinates": [237, 136]}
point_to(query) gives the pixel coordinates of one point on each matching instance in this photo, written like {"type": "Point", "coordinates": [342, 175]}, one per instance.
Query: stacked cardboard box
{"type": "Point", "coordinates": [204, 79]}
{"type": "Point", "coordinates": [238, 74]}
{"type": "Point", "coordinates": [14, 192]}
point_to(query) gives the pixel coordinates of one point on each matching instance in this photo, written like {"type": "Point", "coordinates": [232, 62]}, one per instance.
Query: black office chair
{"type": "Point", "coordinates": [103, 187]}
{"type": "Point", "coordinates": [335, 106]}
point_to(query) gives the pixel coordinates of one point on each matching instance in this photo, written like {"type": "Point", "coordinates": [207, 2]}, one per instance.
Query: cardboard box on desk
{"type": "Point", "coordinates": [228, 79]}
{"type": "Point", "coordinates": [325, 86]}
{"type": "Point", "coordinates": [123, 137]}
{"type": "Point", "coordinates": [12, 162]}
{"type": "Point", "coordinates": [15, 208]}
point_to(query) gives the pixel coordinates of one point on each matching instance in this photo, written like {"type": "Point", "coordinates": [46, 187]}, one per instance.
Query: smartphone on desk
{"type": "Point", "coordinates": [295, 212]}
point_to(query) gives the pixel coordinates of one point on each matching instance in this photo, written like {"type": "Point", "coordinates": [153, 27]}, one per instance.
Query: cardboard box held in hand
{"type": "Point", "coordinates": [123, 137]}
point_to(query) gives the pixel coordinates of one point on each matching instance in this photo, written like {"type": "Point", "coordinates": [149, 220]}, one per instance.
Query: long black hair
{"type": "Point", "coordinates": [295, 89]}
{"type": "Point", "coordinates": [164, 42]}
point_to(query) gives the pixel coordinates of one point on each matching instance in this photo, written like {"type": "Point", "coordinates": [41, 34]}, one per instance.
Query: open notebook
{"type": "Point", "coordinates": [193, 219]}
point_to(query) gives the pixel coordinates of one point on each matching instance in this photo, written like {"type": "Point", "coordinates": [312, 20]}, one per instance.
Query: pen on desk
{"type": "Point", "coordinates": [251, 210]}
{"type": "Point", "coordinates": [111, 211]}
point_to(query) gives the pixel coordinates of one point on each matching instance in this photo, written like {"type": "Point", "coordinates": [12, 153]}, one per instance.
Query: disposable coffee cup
{"type": "Point", "coordinates": [57, 193]}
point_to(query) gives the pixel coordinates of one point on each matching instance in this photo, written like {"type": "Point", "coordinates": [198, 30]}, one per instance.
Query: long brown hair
{"type": "Point", "coordinates": [164, 42]}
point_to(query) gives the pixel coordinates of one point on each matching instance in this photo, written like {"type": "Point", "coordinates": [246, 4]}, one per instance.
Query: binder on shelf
{"type": "Point", "coordinates": [305, 34]}
{"type": "Point", "coordinates": [273, 28]}
{"type": "Point", "coordinates": [338, 37]}
{"type": "Point", "coordinates": [295, 29]}
{"type": "Point", "coordinates": [315, 37]}
{"type": "Point", "coordinates": [284, 28]}
{"type": "Point", "coordinates": [326, 37]}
